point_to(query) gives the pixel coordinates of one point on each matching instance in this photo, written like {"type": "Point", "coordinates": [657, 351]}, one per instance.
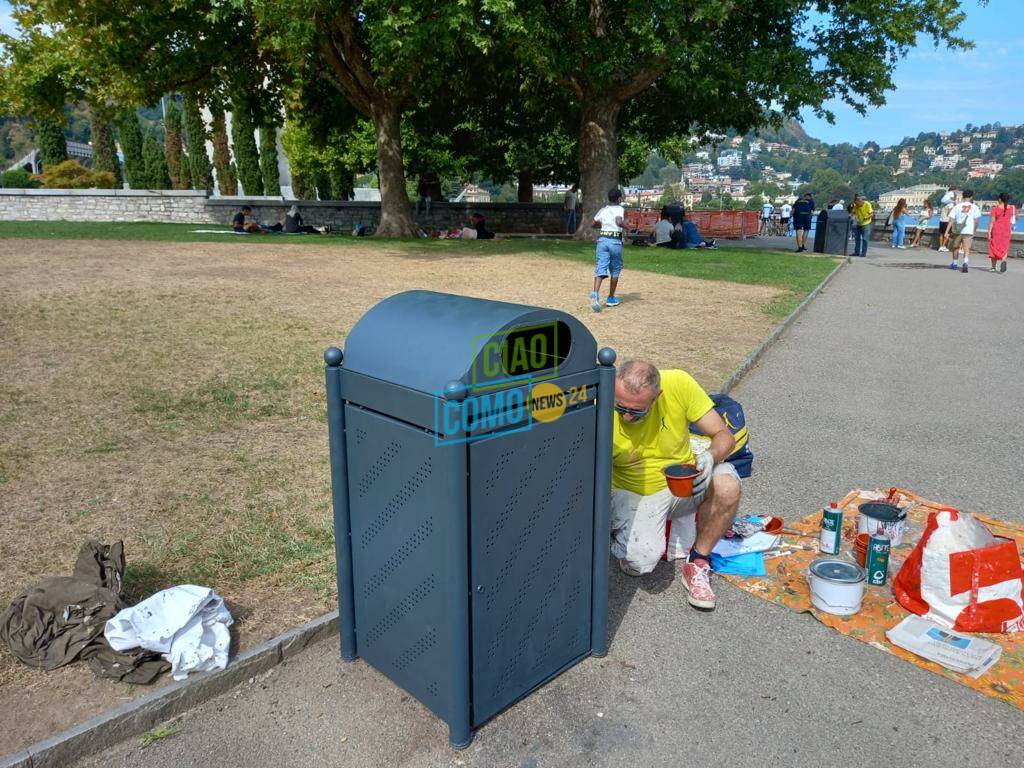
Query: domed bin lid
{"type": "Point", "coordinates": [425, 340]}
{"type": "Point", "coordinates": [839, 571]}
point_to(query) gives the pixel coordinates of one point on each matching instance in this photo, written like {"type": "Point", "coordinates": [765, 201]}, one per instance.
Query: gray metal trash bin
{"type": "Point", "coordinates": [471, 471]}
{"type": "Point", "coordinates": [833, 233]}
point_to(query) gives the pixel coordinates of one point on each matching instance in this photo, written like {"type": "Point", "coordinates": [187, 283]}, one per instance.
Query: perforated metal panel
{"type": "Point", "coordinates": [531, 502]}
{"type": "Point", "coordinates": [396, 478]}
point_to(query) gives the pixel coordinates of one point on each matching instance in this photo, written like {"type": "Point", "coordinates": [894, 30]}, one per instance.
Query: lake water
{"type": "Point", "coordinates": [911, 222]}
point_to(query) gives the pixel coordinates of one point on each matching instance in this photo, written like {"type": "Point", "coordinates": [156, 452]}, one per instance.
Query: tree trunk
{"type": "Point", "coordinates": [395, 212]}
{"type": "Point", "coordinates": [525, 183]}
{"type": "Point", "coordinates": [599, 159]}
{"type": "Point", "coordinates": [227, 176]}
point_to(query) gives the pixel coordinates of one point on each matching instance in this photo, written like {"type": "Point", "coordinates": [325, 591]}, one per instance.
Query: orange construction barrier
{"type": "Point", "coordinates": [712, 224]}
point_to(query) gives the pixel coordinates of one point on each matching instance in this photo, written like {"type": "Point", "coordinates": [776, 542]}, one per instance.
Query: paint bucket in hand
{"type": "Point", "coordinates": [679, 478]}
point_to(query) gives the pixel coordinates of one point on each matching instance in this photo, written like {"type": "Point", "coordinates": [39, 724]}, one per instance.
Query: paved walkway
{"type": "Point", "coordinates": [901, 373]}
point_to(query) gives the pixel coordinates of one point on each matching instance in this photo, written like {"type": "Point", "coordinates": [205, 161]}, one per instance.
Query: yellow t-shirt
{"type": "Point", "coordinates": [641, 450]}
{"type": "Point", "coordinates": [863, 213]}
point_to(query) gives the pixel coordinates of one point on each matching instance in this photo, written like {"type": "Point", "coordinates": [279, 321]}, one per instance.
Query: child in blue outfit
{"type": "Point", "coordinates": [609, 221]}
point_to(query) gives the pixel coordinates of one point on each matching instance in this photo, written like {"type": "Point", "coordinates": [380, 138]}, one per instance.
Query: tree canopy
{"type": "Point", "coordinates": [569, 90]}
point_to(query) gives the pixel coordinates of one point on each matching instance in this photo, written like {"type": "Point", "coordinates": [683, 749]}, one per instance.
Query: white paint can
{"type": "Point", "coordinates": [837, 586]}
{"type": "Point", "coordinates": [875, 515]}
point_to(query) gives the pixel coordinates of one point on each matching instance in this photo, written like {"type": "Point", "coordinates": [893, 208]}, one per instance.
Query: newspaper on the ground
{"type": "Point", "coordinates": [972, 656]}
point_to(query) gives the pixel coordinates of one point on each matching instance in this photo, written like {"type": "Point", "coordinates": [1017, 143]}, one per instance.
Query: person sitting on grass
{"type": "Point", "coordinates": [651, 430]}
{"type": "Point", "coordinates": [691, 237]}
{"type": "Point", "coordinates": [239, 224]}
{"type": "Point", "coordinates": [293, 223]}
{"type": "Point", "coordinates": [479, 223]}
{"type": "Point", "coordinates": [663, 230]}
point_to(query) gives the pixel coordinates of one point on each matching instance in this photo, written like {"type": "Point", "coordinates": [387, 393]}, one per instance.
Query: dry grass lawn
{"type": "Point", "coordinates": [171, 395]}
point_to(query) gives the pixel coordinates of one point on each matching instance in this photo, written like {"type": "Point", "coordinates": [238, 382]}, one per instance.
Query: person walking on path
{"type": "Point", "coordinates": [802, 212]}
{"type": "Point", "coordinates": [863, 214]}
{"type": "Point", "coordinates": [945, 209]}
{"type": "Point", "coordinates": [784, 216]}
{"type": "Point", "coordinates": [899, 227]}
{"type": "Point", "coordinates": [569, 206]}
{"type": "Point", "coordinates": [1002, 217]}
{"type": "Point", "coordinates": [923, 218]}
{"type": "Point", "coordinates": [766, 218]}
{"type": "Point", "coordinates": [963, 222]}
{"type": "Point", "coordinates": [609, 221]}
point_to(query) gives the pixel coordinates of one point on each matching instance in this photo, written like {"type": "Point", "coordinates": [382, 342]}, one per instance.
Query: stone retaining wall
{"type": "Point", "coordinates": [192, 207]}
{"type": "Point", "coordinates": [182, 206]}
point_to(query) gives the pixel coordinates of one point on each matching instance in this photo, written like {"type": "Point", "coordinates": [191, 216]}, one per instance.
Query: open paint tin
{"type": "Point", "coordinates": [837, 586]}
{"type": "Point", "coordinates": [875, 515]}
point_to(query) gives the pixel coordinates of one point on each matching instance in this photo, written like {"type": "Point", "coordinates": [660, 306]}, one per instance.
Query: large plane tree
{"type": "Point", "coordinates": [686, 67]}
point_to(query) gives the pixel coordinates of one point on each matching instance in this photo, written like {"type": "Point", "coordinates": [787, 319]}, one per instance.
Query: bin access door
{"type": "Point", "coordinates": [531, 530]}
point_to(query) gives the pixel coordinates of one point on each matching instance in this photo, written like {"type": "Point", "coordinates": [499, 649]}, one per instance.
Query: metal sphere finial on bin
{"type": "Point", "coordinates": [333, 356]}
{"type": "Point", "coordinates": [455, 391]}
{"type": "Point", "coordinates": [606, 356]}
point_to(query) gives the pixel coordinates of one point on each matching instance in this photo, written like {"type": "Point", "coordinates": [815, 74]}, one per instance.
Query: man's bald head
{"type": "Point", "coordinates": [636, 377]}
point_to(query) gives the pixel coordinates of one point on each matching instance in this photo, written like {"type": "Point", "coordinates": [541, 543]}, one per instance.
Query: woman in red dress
{"type": "Point", "coordinates": [1000, 223]}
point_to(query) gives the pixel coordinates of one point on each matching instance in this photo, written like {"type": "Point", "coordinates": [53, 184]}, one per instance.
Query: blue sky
{"type": "Point", "coordinates": [940, 90]}
{"type": "Point", "coordinates": [936, 90]}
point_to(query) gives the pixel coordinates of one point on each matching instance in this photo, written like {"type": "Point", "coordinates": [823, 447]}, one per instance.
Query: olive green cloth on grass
{"type": "Point", "coordinates": [61, 619]}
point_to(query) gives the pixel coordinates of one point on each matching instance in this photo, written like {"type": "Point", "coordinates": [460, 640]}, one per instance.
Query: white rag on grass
{"type": "Point", "coordinates": [188, 625]}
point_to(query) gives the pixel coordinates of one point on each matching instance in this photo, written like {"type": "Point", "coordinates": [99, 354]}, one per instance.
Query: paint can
{"type": "Point", "coordinates": [877, 561]}
{"type": "Point", "coordinates": [873, 515]}
{"type": "Point", "coordinates": [831, 529]}
{"type": "Point", "coordinates": [837, 586]}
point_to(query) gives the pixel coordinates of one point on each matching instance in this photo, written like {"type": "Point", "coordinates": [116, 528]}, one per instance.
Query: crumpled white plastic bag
{"type": "Point", "coordinates": [187, 624]}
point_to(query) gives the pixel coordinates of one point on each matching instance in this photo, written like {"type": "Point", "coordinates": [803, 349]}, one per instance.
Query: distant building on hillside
{"type": "Point", "coordinates": [916, 195]}
{"type": "Point", "coordinates": [731, 158]}
{"type": "Point", "coordinates": [983, 146]}
{"type": "Point", "coordinates": [945, 162]}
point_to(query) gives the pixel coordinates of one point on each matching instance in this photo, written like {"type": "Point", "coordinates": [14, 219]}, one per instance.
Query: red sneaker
{"type": "Point", "coordinates": [697, 580]}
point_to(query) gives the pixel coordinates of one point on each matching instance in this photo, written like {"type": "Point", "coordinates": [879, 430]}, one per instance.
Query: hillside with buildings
{"type": "Point", "coordinates": [744, 171]}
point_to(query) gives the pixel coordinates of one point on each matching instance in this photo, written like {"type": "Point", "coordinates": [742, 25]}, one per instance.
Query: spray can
{"type": "Point", "coordinates": [877, 560]}
{"type": "Point", "coordinates": [831, 529]}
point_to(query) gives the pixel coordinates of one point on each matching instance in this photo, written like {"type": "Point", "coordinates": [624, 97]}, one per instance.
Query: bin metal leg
{"type": "Point", "coordinates": [602, 502]}
{"type": "Point", "coordinates": [339, 498]}
{"type": "Point", "coordinates": [460, 730]}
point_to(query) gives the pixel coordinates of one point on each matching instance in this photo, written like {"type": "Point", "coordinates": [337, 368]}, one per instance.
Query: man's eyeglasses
{"type": "Point", "coordinates": [636, 413]}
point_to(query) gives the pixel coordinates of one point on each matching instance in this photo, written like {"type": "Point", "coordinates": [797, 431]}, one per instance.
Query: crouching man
{"type": "Point", "coordinates": [653, 414]}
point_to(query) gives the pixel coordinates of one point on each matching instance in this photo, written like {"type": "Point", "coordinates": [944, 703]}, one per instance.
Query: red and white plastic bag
{"type": "Point", "coordinates": [962, 577]}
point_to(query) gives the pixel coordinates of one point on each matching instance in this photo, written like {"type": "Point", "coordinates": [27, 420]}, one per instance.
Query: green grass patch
{"type": "Point", "coordinates": [157, 735]}
{"type": "Point", "coordinates": [753, 266]}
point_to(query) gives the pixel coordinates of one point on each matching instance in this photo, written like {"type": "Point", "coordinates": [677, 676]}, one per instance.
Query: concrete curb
{"type": "Point", "coordinates": [781, 328]}
{"type": "Point", "coordinates": [140, 715]}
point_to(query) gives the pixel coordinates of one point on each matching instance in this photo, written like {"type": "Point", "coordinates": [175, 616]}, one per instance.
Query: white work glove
{"type": "Point", "coordinates": [705, 464]}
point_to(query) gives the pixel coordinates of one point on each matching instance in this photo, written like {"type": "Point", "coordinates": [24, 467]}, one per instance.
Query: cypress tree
{"type": "Point", "coordinates": [104, 151]}
{"type": "Point", "coordinates": [186, 171]}
{"type": "Point", "coordinates": [268, 160]}
{"type": "Point", "coordinates": [247, 157]}
{"type": "Point", "coordinates": [53, 147]}
{"type": "Point", "coordinates": [156, 176]}
{"type": "Point", "coordinates": [172, 143]}
{"type": "Point", "coordinates": [227, 177]}
{"type": "Point", "coordinates": [195, 141]}
{"type": "Point", "coordinates": [131, 145]}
